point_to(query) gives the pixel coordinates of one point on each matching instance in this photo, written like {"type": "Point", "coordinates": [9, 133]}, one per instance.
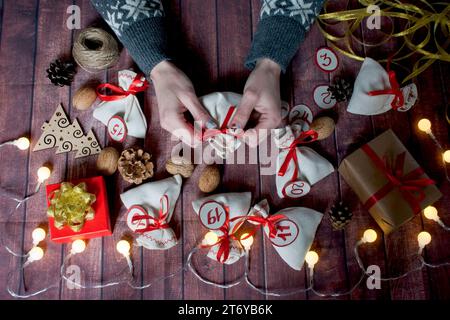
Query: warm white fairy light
{"type": "Point", "coordinates": [35, 254]}
{"type": "Point", "coordinates": [38, 235]}
{"type": "Point", "coordinates": [423, 238]}
{"type": "Point", "coordinates": [246, 241]}
{"type": "Point", "coordinates": [424, 125]}
{"type": "Point", "coordinates": [123, 247]}
{"type": "Point", "coordinates": [43, 174]}
{"type": "Point", "coordinates": [78, 246]}
{"type": "Point", "coordinates": [431, 213]}
{"type": "Point", "coordinates": [446, 156]}
{"type": "Point", "coordinates": [22, 143]}
{"type": "Point", "coordinates": [211, 238]}
{"type": "Point", "coordinates": [369, 236]}
{"type": "Point", "coordinates": [311, 259]}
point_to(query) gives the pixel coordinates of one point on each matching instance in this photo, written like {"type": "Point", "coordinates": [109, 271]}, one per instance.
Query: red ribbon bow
{"type": "Point", "coordinates": [399, 100]}
{"type": "Point", "coordinates": [410, 185]}
{"type": "Point", "coordinates": [209, 133]}
{"type": "Point", "coordinates": [270, 222]}
{"type": "Point", "coordinates": [305, 137]}
{"type": "Point", "coordinates": [223, 241]}
{"type": "Point", "coordinates": [156, 223]}
{"type": "Point", "coordinates": [118, 93]}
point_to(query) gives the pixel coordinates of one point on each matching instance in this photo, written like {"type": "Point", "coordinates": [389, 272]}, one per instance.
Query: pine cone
{"type": "Point", "coordinates": [61, 73]}
{"type": "Point", "coordinates": [341, 89]}
{"type": "Point", "coordinates": [340, 216]}
{"type": "Point", "coordinates": [135, 165]}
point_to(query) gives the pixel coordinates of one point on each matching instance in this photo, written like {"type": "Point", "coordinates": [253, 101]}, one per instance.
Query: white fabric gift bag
{"type": "Point", "coordinates": [298, 167]}
{"type": "Point", "coordinates": [215, 212]}
{"type": "Point", "coordinates": [222, 107]}
{"type": "Point", "coordinates": [150, 208]}
{"type": "Point", "coordinates": [125, 104]}
{"type": "Point", "coordinates": [371, 78]}
{"type": "Point", "coordinates": [293, 233]}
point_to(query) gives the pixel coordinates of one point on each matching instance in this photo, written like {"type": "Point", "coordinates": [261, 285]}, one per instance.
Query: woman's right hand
{"type": "Point", "coordinates": [176, 95]}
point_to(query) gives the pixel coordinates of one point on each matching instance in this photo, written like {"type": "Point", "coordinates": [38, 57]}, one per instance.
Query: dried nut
{"type": "Point", "coordinates": [107, 161]}
{"type": "Point", "coordinates": [324, 126]}
{"type": "Point", "coordinates": [209, 179]}
{"type": "Point", "coordinates": [84, 98]}
{"type": "Point", "coordinates": [180, 165]}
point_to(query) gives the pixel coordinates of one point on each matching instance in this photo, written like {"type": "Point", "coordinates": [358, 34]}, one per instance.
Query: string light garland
{"type": "Point", "coordinates": [424, 125]}
{"type": "Point", "coordinates": [36, 253]}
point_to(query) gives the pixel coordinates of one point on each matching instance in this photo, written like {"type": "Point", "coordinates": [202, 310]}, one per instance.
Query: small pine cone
{"type": "Point", "coordinates": [135, 165]}
{"type": "Point", "coordinates": [340, 216]}
{"type": "Point", "coordinates": [341, 89]}
{"type": "Point", "coordinates": [61, 73]}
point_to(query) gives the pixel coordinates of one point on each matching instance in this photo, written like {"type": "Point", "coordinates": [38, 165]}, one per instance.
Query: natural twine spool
{"type": "Point", "coordinates": [95, 50]}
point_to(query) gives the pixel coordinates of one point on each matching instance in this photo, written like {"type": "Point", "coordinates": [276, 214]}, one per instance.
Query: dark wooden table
{"type": "Point", "coordinates": [213, 38]}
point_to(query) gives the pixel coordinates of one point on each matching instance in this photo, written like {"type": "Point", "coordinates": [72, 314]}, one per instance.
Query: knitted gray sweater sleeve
{"type": "Point", "coordinates": [140, 26]}
{"type": "Point", "coordinates": [282, 27]}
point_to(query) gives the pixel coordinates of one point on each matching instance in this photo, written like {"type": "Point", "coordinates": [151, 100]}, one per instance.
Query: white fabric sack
{"type": "Point", "coordinates": [149, 196]}
{"type": "Point", "coordinates": [235, 204]}
{"type": "Point", "coordinates": [219, 104]}
{"type": "Point", "coordinates": [297, 232]}
{"type": "Point", "coordinates": [128, 108]}
{"type": "Point", "coordinates": [312, 167]}
{"type": "Point", "coordinates": [373, 77]}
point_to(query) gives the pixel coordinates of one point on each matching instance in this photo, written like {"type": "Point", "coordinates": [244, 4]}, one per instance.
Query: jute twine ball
{"type": "Point", "coordinates": [95, 49]}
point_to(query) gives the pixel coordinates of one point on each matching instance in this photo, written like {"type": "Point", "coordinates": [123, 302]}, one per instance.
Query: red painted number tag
{"type": "Point", "coordinates": [287, 232]}
{"type": "Point", "coordinates": [323, 98]}
{"type": "Point", "coordinates": [117, 129]}
{"type": "Point", "coordinates": [326, 59]}
{"type": "Point", "coordinates": [212, 215]}
{"type": "Point", "coordinates": [296, 189]}
{"type": "Point", "coordinates": [135, 211]}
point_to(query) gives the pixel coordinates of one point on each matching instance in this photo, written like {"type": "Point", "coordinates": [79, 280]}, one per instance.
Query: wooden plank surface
{"type": "Point", "coordinates": [212, 39]}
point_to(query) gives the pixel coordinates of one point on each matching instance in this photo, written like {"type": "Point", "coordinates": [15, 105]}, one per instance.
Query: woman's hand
{"type": "Point", "coordinates": [176, 95]}
{"type": "Point", "coordinates": [262, 94]}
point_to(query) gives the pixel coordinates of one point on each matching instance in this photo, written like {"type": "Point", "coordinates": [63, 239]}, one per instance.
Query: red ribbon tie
{"type": "Point", "coordinates": [156, 223]}
{"type": "Point", "coordinates": [138, 85]}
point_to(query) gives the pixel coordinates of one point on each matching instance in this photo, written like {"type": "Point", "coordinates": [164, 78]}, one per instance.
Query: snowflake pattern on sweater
{"type": "Point", "coordinates": [119, 14]}
{"type": "Point", "coordinates": [304, 11]}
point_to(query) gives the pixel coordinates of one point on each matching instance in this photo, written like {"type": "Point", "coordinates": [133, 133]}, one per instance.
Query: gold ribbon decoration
{"type": "Point", "coordinates": [71, 205]}
{"type": "Point", "coordinates": [425, 31]}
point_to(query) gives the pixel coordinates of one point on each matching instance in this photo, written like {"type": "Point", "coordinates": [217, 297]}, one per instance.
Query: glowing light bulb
{"type": "Point", "coordinates": [446, 156]}
{"type": "Point", "coordinates": [211, 238]}
{"type": "Point", "coordinates": [423, 238]}
{"type": "Point", "coordinates": [35, 254]}
{"type": "Point", "coordinates": [123, 247]}
{"type": "Point", "coordinates": [431, 213]}
{"type": "Point", "coordinates": [43, 174]}
{"type": "Point", "coordinates": [369, 236]}
{"type": "Point", "coordinates": [424, 125]}
{"type": "Point", "coordinates": [246, 241]}
{"type": "Point", "coordinates": [38, 235]}
{"type": "Point", "coordinates": [78, 246]}
{"type": "Point", "coordinates": [22, 143]}
{"type": "Point", "coordinates": [311, 258]}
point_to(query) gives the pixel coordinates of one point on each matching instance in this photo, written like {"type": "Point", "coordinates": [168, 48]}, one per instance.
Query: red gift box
{"type": "Point", "coordinates": [100, 226]}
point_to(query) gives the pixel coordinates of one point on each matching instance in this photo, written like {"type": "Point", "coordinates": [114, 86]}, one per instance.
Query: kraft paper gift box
{"type": "Point", "coordinates": [388, 181]}
{"type": "Point", "coordinates": [99, 226]}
